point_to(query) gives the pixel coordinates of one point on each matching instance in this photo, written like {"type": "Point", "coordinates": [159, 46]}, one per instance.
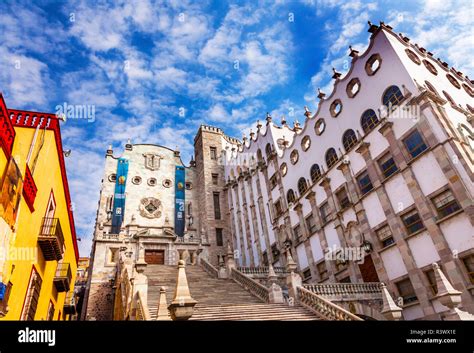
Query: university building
{"type": "Point", "coordinates": [374, 187]}
{"type": "Point", "coordinates": [38, 246]}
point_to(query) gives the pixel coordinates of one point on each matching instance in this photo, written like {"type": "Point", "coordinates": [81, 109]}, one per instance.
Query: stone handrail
{"type": "Point", "coordinates": [261, 270]}
{"type": "Point", "coordinates": [214, 272]}
{"type": "Point", "coordinates": [324, 308]}
{"type": "Point", "coordinates": [142, 312]}
{"type": "Point", "coordinates": [255, 288]}
{"type": "Point", "coordinates": [125, 290]}
{"type": "Point", "coordinates": [369, 290]}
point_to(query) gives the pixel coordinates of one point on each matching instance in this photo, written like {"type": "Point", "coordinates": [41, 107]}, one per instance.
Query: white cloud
{"type": "Point", "coordinates": [25, 80]}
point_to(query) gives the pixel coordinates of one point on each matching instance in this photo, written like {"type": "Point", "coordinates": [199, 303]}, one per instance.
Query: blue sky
{"type": "Point", "coordinates": [153, 71]}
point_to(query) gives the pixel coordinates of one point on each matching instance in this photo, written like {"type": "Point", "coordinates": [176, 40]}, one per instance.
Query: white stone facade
{"type": "Point", "coordinates": [400, 187]}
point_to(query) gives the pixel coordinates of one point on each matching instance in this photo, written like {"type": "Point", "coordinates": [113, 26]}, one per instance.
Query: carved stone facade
{"type": "Point", "coordinates": [376, 186]}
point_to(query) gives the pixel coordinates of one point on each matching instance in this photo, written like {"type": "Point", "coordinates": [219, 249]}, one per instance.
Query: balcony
{"type": "Point", "coordinates": [70, 304]}
{"type": "Point", "coordinates": [62, 278]}
{"type": "Point", "coordinates": [29, 189]}
{"type": "Point", "coordinates": [51, 239]}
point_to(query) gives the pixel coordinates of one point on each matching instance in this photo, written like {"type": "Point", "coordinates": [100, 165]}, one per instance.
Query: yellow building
{"type": "Point", "coordinates": [38, 246]}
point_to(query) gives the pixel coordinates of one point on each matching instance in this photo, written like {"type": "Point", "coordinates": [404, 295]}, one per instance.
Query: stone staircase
{"type": "Point", "coordinates": [218, 299]}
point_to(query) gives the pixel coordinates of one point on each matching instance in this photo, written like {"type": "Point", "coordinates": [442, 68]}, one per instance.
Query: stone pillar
{"type": "Point", "coordinates": [449, 297]}
{"type": "Point", "coordinates": [182, 306]}
{"type": "Point", "coordinates": [293, 280]}
{"type": "Point", "coordinates": [163, 314]}
{"type": "Point", "coordinates": [390, 310]}
{"type": "Point", "coordinates": [321, 236]}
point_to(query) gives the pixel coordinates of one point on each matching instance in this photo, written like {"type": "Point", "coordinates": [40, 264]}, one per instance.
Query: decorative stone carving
{"type": "Point", "coordinates": [150, 207]}
{"type": "Point", "coordinates": [152, 161]}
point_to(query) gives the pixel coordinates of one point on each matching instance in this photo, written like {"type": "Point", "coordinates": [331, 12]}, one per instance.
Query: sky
{"type": "Point", "coordinates": [153, 71]}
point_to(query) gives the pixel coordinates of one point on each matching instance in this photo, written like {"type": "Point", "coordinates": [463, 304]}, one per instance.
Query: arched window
{"type": "Point", "coordinates": [431, 88]}
{"type": "Point", "coordinates": [392, 97]}
{"type": "Point", "coordinates": [315, 172]}
{"type": "Point", "coordinates": [302, 186]}
{"type": "Point", "coordinates": [368, 121]}
{"type": "Point", "coordinates": [349, 139]}
{"type": "Point", "coordinates": [331, 157]}
{"type": "Point", "coordinates": [268, 149]}
{"type": "Point", "coordinates": [259, 155]}
{"type": "Point", "coordinates": [290, 196]}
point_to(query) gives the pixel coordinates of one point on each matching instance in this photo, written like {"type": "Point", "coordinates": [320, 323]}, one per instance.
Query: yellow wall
{"type": "Point", "coordinates": [47, 177]}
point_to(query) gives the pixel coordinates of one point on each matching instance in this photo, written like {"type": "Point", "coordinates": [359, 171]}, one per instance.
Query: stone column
{"type": "Point", "coordinates": [322, 237]}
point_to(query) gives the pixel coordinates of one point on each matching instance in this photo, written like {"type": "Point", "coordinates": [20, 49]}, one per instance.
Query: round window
{"type": "Point", "coordinates": [136, 180]}
{"type": "Point", "coordinates": [283, 169]}
{"type": "Point", "coordinates": [413, 57]}
{"type": "Point", "coordinates": [335, 108]}
{"type": "Point", "coordinates": [112, 178]}
{"type": "Point", "coordinates": [152, 181]}
{"type": "Point", "coordinates": [294, 157]}
{"type": "Point", "coordinates": [373, 64]}
{"type": "Point", "coordinates": [430, 67]}
{"type": "Point", "coordinates": [353, 87]}
{"type": "Point", "coordinates": [319, 126]}
{"type": "Point", "coordinates": [167, 183]}
{"type": "Point", "coordinates": [306, 143]}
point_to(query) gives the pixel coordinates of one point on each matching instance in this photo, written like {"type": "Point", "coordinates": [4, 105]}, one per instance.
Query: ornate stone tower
{"type": "Point", "coordinates": [211, 146]}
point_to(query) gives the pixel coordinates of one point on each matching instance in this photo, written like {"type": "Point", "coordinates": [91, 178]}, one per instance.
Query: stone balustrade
{"type": "Point", "coordinates": [262, 270]}
{"type": "Point", "coordinates": [214, 272]}
{"type": "Point", "coordinates": [347, 291]}
{"type": "Point", "coordinates": [142, 312]}
{"type": "Point", "coordinates": [323, 307]}
{"type": "Point", "coordinates": [257, 289]}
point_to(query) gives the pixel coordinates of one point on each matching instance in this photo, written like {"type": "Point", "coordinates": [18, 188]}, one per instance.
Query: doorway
{"type": "Point", "coordinates": [155, 257]}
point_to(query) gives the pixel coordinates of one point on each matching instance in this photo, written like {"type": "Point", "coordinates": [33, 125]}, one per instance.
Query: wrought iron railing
{"type": "Point", "coordinates": [323, 307]}
{"type": "Point", "coordinates": [51, 238]}
{"type": "Point", "coordinates": [257, 289]}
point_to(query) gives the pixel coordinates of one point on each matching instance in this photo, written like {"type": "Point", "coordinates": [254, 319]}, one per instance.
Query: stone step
{"type": "Point", "coordinates": [218, 299]}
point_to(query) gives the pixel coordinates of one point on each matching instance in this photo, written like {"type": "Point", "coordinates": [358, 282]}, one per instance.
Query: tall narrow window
{"type": "Point", "coordinates": [302, 186]}
{"type": "Point", "coordinates": [215, 179]}
{"type": "Point", "coordinates": [365, 184]}
{"type": "Point", "coordinates": [392, 97]}
{"type": "Point", "coordinates": [315, 173]}
{"type": "Point", "coordinates": [349, 139]}
{"type": "Point", "coordinates": [219, 239]}
{"type": "Point", "coordinates": [469, 264]}
{"type": "Point", "coordinates": [50, 316]}
{"type": "Point", "coordinates": [32, 296]}
{"type": "Point", "coordinates": [412, 222]}
{"type": "Point", "coordinates": [406, 291]}
{"type": "Point", "coordinates": [325, 212]}
{"type": "Point", "coordinates": [331, 157]}
{"type": "Point", "coordinates": [415, 144]}
{"type": "Point", "coordinates": [445, 204]}
{"type": "Point", "coordinates": [368, 120]}
{"type": "Point", "coordinates": [343, 199]}
{"type": "Point", "coordinates": [387, 165]}
{"type": "Point", "coordinates": [217, 206]}
{"type": "Point", "coordinates": [430, 276]}
{"type": "Point", "coordinates": [385, 236]}
{"type": "Point", "coordinates": [310, 223]}
{"type": "Point", "coordinates": [213, 152]}
{"type": "Point", "coordinates": [290, 196]}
